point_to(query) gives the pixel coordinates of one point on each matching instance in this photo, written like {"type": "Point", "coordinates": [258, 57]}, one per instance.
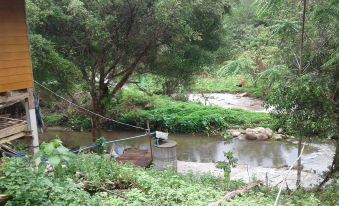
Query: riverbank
{"type": "Point", "coordinates": [90, 179]}
{"type": "Point", "coordinates": [272, 176]}
{"type": "Point", "coordinates": [135, 107]}
{"type": "Point", "coordinates": [227, 85]}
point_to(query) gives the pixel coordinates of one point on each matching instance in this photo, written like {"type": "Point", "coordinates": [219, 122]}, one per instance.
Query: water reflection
{"type": "Point", "coordinates": [206, 149]}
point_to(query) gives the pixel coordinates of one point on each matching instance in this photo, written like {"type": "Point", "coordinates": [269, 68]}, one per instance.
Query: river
{"type": "Point", "coordinates": [199, 153]}
{"type": "Point", "coordinates": [229, 101]}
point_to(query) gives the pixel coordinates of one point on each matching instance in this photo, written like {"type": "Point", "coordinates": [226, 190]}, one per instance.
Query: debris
{"type": "Point", "coordinates": [235, 193]}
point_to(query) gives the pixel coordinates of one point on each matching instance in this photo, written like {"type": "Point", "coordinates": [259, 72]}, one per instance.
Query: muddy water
{"type": "Point", "coordinates": [204, 149]}
{"type": "Point", "coordinates": [226, 100]}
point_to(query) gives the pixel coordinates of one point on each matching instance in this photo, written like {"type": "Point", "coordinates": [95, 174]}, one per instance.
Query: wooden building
{"type": "Point", "coordinates": [16, 79]}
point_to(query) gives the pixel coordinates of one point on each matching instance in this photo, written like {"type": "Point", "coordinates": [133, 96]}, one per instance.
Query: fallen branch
{"type": "Point", "coordinates": [235, 193]}
{"type": "Point", "coordinates": [4, 198]}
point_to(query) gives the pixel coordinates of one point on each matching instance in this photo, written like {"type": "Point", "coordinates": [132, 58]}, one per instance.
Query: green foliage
{"type": "Point", "coordinates": [101, 148]}
{"type": "Point", "coordinates": [74, 121]}
{"type": "Point", "coordinates": [54, 119]}
{"type": "Point", "coordinates": [31, 186]}
{"type": "Point", "coordinates": [301, 105]}
{"type": "Point", "coordinates": [238, 66]}
{"type": "Point", "coordinates": [89, 173]}
{"type": "Point", "coordinates": [305, 99]}
{"type": "Point", "coordinates": [184, 117]}
{"type": "Point", "coordinates": [80, 122]}
{"type": "Point", "coordinates": [90, 179]}
{"type": "Point", "coordinates": [227, 84]}
{"type": "Point", "coordinates": [105, 43]}
{"type": "Point", "coordinates": [50, 67]}
{"type": "Point", "coordinates": [230, 161]}
{"type": "Point", "coordinates": [56, 154]}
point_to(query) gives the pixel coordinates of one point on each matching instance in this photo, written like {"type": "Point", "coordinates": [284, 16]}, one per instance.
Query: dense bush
{"type": "Point", "coordinates": [185, 117]}
{"type": "Point", "coordinates": [96, 180]}
{"type": "Point", "coordinates": [227, 84]}
{"type": "Point", "coordinates": [90, 179]}
{"type": "Point", "coordinates": [76, 122]}
{"type": "Point", "coordinates": [135, 107]}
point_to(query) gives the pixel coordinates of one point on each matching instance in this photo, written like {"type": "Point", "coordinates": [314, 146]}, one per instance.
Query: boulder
{"type": "Point", "coordinates": [280, 130]}
{"type": "Point", "coordinates": [235, 133]}
{"type": "Point", "coordinates": [262, 136]}
{"type": "Point", "coordinates": [260, 130]}
{"type": "Point", "coordinates": [269, 132]}
{"type": "Point", "coordinates": [242, 137]}
{"type": "Point", "coordinates": [277, 136]}
{"type": "Point", "coordinates": [250, 134]}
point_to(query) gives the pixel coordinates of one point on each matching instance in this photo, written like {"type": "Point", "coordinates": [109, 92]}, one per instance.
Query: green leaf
{"type": "Point", "coordinates": [54, 160]}
{"type": "Point", "coordinates": [63, 150]}
{"type": "Point", "coordinates": [49, 148]}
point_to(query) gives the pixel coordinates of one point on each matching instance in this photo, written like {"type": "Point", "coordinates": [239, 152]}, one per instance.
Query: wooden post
{"type": "Point", "coordinates": [31, 120]}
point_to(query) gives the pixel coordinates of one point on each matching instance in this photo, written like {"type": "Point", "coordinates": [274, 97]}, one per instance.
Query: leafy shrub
{"type": "Point", "coordinates": [80, 123]}
{"type": "Point", "coordinates": [226, 165]}
{"type": "Point", "coordinates": [185, 117]}
{"type": "Point", "coordinates": [94, 175]}
{"type": "Point", "coordinates": [55, 153]}
{"type": "Point", "coordinates": [227, 84]}
{"type": "Point", "coordinates": [90, 179]}
{"type": "Point", "coordinates": [75, 121]}
{"type": "Point", "coordinates": [54, 119]}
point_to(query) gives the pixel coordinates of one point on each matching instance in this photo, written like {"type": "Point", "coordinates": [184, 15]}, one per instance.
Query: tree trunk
{"type": "Point", "coordinates": [335, 164]}
{"type": "Point", "coordinates": [96, 127]}
{"type": "Point", "coordinates": [300, 70]}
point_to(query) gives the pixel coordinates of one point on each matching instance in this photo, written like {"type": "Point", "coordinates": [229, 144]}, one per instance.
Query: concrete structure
{"type": "Point", "coordinates": [165, 155]}
{"type": "Point", "coordinates": [16, 79]}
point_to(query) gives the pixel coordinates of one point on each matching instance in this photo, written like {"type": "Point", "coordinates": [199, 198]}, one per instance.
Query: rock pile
{"type": "Point", "coordinates": [258, 133]}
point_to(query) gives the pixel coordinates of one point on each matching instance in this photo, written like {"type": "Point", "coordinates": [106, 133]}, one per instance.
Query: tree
{"type": "Point", "coordinates": [306, 99]}
{"type": "Point", "coordinates": [108, 41]}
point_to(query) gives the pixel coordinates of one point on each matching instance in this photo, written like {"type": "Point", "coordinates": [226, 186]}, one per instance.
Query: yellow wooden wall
{"type": "Point", "coordinates": [15, 59]}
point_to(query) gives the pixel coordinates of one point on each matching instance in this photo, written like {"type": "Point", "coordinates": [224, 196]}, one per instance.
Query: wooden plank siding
{"type": "Point", "coordinates": [15, 60]}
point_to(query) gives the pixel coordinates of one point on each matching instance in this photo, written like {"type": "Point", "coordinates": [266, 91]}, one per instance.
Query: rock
{"type": "Point", "coordinates": [249, 130]}
{"type": "Point", "coordinates": [235, 133]}
{"type": "Point", "coordinates": [280, 130]}
{"type": "Point", "coordinates": [242, 94]}
{"type": "Point", "coordinates": [262, 136]}
{"type": "Point", "coordinates": [250, 134]}
{"type": "Point", "coordinates": [260, 130]}
{"type": "Point", "coordinates": [148, 106]}
{"type": "Point", "coordinates": [269, 132]}
{"type": "Point", "coordinates": [242, 137]}
{"type": "Point", "coordinates": [277, 136]}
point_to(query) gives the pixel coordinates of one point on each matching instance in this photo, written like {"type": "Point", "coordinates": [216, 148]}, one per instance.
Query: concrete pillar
{"type": "Point", "coordinates": [165, 155]}
{"type": "Point", "coordinates": [31, 120]}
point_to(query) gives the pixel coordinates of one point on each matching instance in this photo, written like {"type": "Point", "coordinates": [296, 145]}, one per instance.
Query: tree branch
{"type": "Point", "coordinates": [130, 71]}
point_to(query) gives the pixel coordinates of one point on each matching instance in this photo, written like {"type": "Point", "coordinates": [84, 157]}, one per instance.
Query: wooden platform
{"type": "Point", "coordinates": [11, 129]}
{"type": "Point", "coordinates": [141, 158]}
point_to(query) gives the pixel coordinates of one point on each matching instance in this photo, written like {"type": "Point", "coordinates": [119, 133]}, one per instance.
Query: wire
{"type": "Point", "coordinates": [87, 110]}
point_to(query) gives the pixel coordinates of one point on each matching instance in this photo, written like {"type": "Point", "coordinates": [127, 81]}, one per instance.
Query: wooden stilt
{"type": "Point", "coordinates": [31, 120]}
